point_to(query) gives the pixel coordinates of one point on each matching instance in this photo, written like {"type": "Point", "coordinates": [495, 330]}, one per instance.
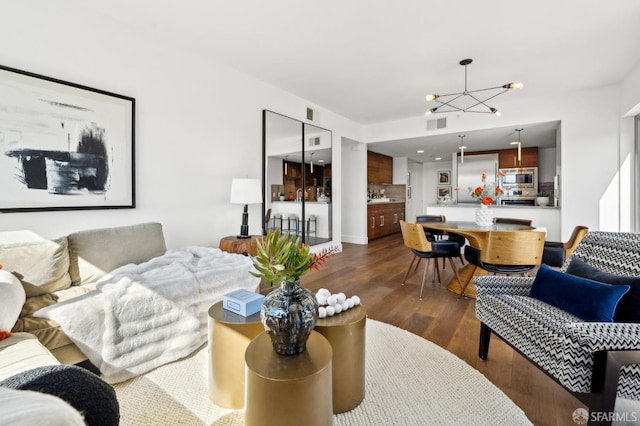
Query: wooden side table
{"type": "Point", "coordinates": [229, 336]}
{"type": "Point", "coordinates": [246, 246]}
{"type": "Point", "coordinates": [288, 390]}
{"type": "Point", "coordinates": [347, 334]}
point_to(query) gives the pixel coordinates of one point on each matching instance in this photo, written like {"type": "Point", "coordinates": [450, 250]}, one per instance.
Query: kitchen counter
{"type": "Point", "coordinates": [373, 202]}
{"type": "Point", "coordinates": [298, 202]}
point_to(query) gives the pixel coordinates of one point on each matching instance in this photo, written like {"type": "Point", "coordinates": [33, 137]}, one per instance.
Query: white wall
{"type": "Point", "coordinates": [354, 186]}
{"type": "Point", "coordinates": [590, 146]}
{"type": "Point", "coordinates": [198, 123]}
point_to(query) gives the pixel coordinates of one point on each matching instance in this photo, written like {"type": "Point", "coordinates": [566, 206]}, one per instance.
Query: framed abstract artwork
{"type": "Point", "coordinates": [444, 178]}
{"type": "Point", "coordinates": [64, 146]}
{"type": "Point", "coordinates": [444, 191]}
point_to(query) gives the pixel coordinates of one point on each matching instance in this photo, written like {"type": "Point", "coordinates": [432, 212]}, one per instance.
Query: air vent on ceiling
{"type": "Point", "coordinates": [315, 141]}
{"type": "Point", "coordinates": [437, 123]}
{"type": "Point", "coordinates": [309, 114]}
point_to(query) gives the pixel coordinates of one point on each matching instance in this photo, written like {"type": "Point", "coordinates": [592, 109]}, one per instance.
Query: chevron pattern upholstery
{"type": "Point", "coordinates": [557, 342]}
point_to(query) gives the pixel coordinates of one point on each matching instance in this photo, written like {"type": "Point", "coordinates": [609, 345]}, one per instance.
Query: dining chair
{"type": "Point", "coordinates": [556, 252]}
{"type": "Point", "coordinates": [512, 220]}
{"type": "Point", "coordinates": [432, 234]}
{"type": "Point", "coordinates": [435, 234]}
{"type": "Point", "coordinates": [416, 240]}
{"type": "Point", "coordinates": [265, 223]}
{"type": "Point", "coordinates": [506, 252]}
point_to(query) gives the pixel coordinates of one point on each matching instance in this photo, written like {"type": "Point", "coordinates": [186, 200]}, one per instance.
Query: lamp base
{"type": "Point", "coordinates": [243, 237]}
{"type": "Point", "coordinates": [244, 228]}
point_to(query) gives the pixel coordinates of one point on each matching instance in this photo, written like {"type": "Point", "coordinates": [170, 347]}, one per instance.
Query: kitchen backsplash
{"type": "Point", "coordinates": [394, 192]}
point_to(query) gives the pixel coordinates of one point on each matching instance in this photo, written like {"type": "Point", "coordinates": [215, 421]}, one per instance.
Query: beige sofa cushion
{"type": "Point", "coordinates": [41, 266]}
{"type": "Point", "coordinates": [22, 352]}
{"type": "Point", "coordinates": [12, 298]}
{"type": "Point", "coordinates": [96, 252]}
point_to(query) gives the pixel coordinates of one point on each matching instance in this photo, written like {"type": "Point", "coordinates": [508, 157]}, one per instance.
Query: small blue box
{"type": "Point", "coordinates": [242, 302]}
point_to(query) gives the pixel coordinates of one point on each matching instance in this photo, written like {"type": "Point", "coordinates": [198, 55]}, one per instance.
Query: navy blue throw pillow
{"type": "Point", "coordinates": [629, 309]}
{"type": "Point", "coordinates": [584, 298]}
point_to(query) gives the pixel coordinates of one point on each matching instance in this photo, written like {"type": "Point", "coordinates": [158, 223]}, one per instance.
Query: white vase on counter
{"type": "Point", "coordinates": [542, 201]}
{"type": "Point", "coordinates": [484, 216]}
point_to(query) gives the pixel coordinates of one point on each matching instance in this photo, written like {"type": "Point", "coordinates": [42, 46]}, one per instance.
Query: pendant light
{"type": "Point", "coordinates": [462, 148]}
{"type": "Point", "coordinates": [519, 146]}
{"type": "Point", "coordinates": [285, 164]}
{"type": "Point", "coordinates": [312, 162]}
{"type": "Point", "coordinates": [469, 100]}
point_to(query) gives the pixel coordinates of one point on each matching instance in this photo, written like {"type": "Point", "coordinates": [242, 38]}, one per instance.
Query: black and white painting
{"type": "Point", "coordinates": [63, 146]}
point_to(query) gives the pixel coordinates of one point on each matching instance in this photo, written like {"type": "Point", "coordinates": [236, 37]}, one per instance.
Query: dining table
{"type": "Point", "coordinates": [476, 236]}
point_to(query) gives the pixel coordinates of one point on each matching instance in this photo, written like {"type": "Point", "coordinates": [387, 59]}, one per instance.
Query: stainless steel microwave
{"type": "Point", "coordinates": [519, 178]}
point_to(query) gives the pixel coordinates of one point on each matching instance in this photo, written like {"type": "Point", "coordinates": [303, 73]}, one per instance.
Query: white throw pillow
{"type": "Point", "coordinates": [12, 298]}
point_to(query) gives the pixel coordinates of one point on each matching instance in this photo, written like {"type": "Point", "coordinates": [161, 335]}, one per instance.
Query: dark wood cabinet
{"type": "Point", "coordinates": [384, 219]}
{"type": "Point", "coordinates": [508, 158]}
{"type": "Point", "coordinates": [379, 168]}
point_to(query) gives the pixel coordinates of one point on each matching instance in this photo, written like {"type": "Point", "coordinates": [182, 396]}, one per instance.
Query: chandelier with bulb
{"type": "Point", "coordinates": [469, 100]}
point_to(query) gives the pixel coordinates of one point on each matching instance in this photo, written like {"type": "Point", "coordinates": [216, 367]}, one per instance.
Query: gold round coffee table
{"type": "Point", "coordinates": [288, 390]}
{"type": "Point", "coordinates": [347, 334]}
{"type": "Point", "coordinates": [229, 336]}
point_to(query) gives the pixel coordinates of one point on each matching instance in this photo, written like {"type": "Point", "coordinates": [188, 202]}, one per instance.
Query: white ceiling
{"type": "Point", "coordinates": [375, 60]}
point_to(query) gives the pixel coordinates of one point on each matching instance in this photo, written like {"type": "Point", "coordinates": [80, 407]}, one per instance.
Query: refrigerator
{"type": "Point", "coordinates": [470, 174]}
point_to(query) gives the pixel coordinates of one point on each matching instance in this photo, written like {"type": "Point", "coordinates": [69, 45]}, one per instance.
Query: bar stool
{"type": "Point", "coordinates": [276, 222]}
{"type": "Point", "coordinates": [312, 219]}
{"type": "Point", "coordinates": [291, 223]}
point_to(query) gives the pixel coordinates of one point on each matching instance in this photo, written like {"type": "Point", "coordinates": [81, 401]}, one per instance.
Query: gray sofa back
{"type": "Point", "coordinates": [95, 252]}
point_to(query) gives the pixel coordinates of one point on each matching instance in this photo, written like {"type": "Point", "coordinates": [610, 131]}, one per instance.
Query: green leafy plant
{"type": "Point", "coordinates": [281, 257]}
{"type": "Point", "coordinates": [542, 194]}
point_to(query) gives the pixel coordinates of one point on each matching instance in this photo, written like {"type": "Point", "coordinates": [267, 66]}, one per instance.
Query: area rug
{"type": "Point", "coordinates": [409, 381]}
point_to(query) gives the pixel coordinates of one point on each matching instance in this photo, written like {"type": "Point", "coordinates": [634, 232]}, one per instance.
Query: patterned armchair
{"type": "Point", "coordinates": [595, 361]}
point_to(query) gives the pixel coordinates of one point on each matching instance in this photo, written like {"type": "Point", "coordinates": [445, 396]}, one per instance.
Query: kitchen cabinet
{"type": "Point", "coordinates": [384, 219]}
{"type": "Point", "coordinates": [379, 168]}
{"type": "Point", "coordinates": [508, 158]}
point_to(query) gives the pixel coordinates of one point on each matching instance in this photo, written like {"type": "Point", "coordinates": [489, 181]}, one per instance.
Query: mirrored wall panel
{"type": "Point", "coordinates": [297, 178]}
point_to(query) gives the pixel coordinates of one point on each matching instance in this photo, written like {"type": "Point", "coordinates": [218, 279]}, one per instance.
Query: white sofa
{"type": "Point", "coordinates": [52, 271]}
{"type": "Point", "coordinates": [21, 352]}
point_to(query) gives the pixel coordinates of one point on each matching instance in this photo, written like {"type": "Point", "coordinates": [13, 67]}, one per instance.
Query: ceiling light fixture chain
{"type": "Point", "coordinates": [449, 106]}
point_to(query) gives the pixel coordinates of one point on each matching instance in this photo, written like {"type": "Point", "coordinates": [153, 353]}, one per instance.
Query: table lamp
{"type": "Point", "coordinates": [245, 191]}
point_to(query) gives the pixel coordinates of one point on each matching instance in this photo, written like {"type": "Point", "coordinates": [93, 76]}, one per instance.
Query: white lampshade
{"type": "Point", "coordinates": [246, 191]}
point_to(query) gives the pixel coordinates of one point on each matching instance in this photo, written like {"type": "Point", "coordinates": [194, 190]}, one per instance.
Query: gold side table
{"type": "Point", "coordinates": [347, 334]}
{"type": "Point", "coordinates": [229, 336]}
{"type": "Point", "coordinates": [288, 390]}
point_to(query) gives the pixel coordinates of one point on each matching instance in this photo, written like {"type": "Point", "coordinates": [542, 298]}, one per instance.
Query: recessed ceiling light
{"type": "Point", "coordinates": [420, 151]}
{"type": "Point", "coordinates": [320, 161]}
{"type": "Point", "coordinates": [438, 158]}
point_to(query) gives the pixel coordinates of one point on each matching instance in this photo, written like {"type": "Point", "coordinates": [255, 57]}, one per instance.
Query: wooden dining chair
{"type": "Point", "coordinates": [436, 234]}
{"type": "Point", "coordinates": [513, 220]}
{"type": "Point", "coordinates": [556, 252]}
{"type": "Point", "coordinates": [416, 240]}
{"type": "Point", "coordinates": [506, 252]}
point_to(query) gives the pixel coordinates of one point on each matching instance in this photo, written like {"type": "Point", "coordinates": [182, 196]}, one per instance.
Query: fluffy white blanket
{"type": "Point", "coordinates": [143, 316]}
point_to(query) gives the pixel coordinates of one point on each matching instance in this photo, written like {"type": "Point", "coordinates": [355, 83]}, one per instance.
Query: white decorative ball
{"type": "Point", "coordinates": [324, 291]}
{"type": "Point", "coordinates": [332, 300]}
{"type": "Point", "coordinates": [345, 305]}
{"type": "Point", "coordinates": [330, 311]}
{"type": "Point", "coordinates": [322, 312]}
{"type": "Point", "coordinates": [341, 297]}
{"type": "Point", "coordinates": [350, 302]}
{"type": "Point", "coordinates": [338, 308]}
{"type": "Point", "coordinates": [356, 300]}
{"type": "Point", "coordinates": [322, 299]}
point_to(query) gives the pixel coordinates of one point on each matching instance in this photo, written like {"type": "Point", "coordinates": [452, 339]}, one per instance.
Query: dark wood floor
{"type": "Point", "coordinates": [374, 272]}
